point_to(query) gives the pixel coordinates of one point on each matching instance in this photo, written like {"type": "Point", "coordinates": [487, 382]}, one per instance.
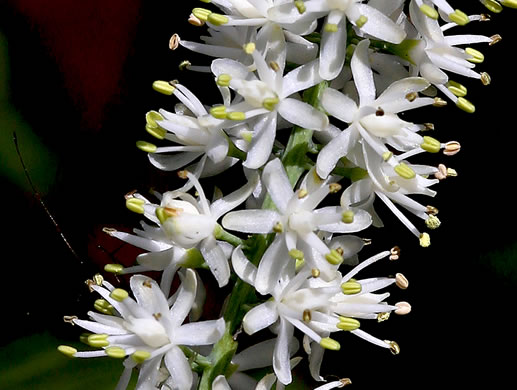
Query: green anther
{"type": "Point", "coordinates": [152, 116]}
{"type": "Point", "coordinates": [83, 337]}
{"type": "Point", "coordinates": [333, 257]}
{"type": "Point", "coordinates": [140, 356]}
{"type": "Point", "coordinates": [347, 216]}
{"type": "Point", "coordinates": [135, 205]}
{"type": "Point", "coordinates": [217, 19]}
{"type": "Point", "coordinates": [206, 1]}
{"type": "Point", "coordinates": [459, 17]}
{"type": "Point", "coordinates": [278, 227]}
{"type": "Point", "coordinates": [331, 27]}
{"type": "Point", "coordinates": [405, 171]}
{"type": "Point", "coordinates": [347, 323]}
{"type": "Point", "coordinates": [432, 222]}
{"type": "Point", "coordinates": [300, 6]}
{"type": "Point", "coordinates": [425, 240]}
{"type": "Point", "coordinates": [476, 56]}
{"type": "Point", "coordinates": [299, 263]}
{"type": "Point", "coordinates": [67, 350]}
{"type": "Point", "coordinates": [246, 135]}
{"type": "Point", "coordinates": [270, 103]}
{"type": "Point", "coordinates": [164, 87]}
{"type": "Point", "coordinates": [456, 88]}
{"type": "Point", "coordinates": [296, 254]}
{"type": "Point", "coordinates": [492, 5]}
{"type": "Point", "coordinates": [193, 259]}
{"type": "Point", "coordinates": [465, 105]}
{"type": "Point", "coordinates": [201, 13]}
{"type": "Point", "coordinates": [161, 214]}
{"type": "Point", "coordinates": [115, 352]}
{"type": "Point", "coordinates": [98, 340]}
{"type": "Point", "coordinates": [223, 80]}
{"type": "Point", "coordinates": [236, 116]}
{"type": "Point", "coordinates": [218, 112]}
{"type": "Point", "coordinates": [429, 11]}
{"type": "Point", "coordinates": [249, 48]}
{"type": "Point", "coordinates": [114, 268]}
{"type": "Point", "coordinates": [156, 132]}
{"type": "Point", "coordinates": [103, 306]}
{"type": "Point", "coordinates": [431, 145]}
{"type": "Point", "coordinates": [351, 287]}
{"type": "Point", "coordinates": [361, 21]}
{"type": "Point", "coordinates": [119, 294]}
{"type": "Point", "coordinates": [329, 343]}
{"type": "Point", "coordinates": [357, 174]}
{"type": "Point", "coordinates": [509, 3]}
{"type": "Point", "coordinates": [146, 146]}
{"type": "Point", "coordinates": [387, 155]}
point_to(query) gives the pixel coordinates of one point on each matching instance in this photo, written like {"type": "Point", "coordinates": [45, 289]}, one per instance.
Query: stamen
{"type": "Point", "coordinates": [347, 323]}
{"type": "Point", "coordinates": [432, 222]}
{"type": "Point", "coordinates": [146, 146]}
{"type": "Point", "coordinates": [431, 145]}
{"type": "Point", "coordinates": [201, 13]}
{"type": "Point", "coordinates": [296, 254]}
{"type": "Point", "coordinates": [174, 42]}
{"type": "Point", "coordinates": [333, 257]}
{"type": "Point", "coordinates": [485, 78]}
{"type": "Point", "coordinates": [135, 205]}
{"type": "Point", "coordinates": [103, 306]}
{"type": "Point", "coordinates": [164, 87]}
{"type": "Point", "coordinates": [98, 340]}
{"type": "Point", "coordinates": [439, 102]}
{"type": "Point", "coordinates": [300, 6]}
{"type": "Point", "coordinates": [278, 227]}
{"type": "Point", "coordinates": [331, 27]}
{"type": "Point", "coordinates": [315, 273]}
{"type": "Point", "coordinates": [381, 317]}
{"type": "Point", "coordinates": [361, 21]}
{"type": "Point", "coordinates": [405, 171]}
{"type": "Point", "coordinates": [347, 216]}
{"type": "Point", "coordinates": [195, 21]}
{"type": "Point", "coordinates": [495, 39]}
{"type": "Point", "coordinates": [411, 96]}
{"type": "Point", "coordinates": [394, 253]}
{"type": "Point", "coordinates": [425, 240]}
{"type": "Point", "coordinates": [223, 80]}
{"type": "Point", "coordinates": [302, 193]}
{"type": "Point", "coordinates": [140, 356]}
{"type": "Point", "coordinates": [270, 103]}
{"type": "Point", "coordinates": [401, 281]}
{"type": "Point", "coordinates": [429, 11]}
{"type": "Point", "coordinates": [119, 294]}
{"type": "Point", "coordinates": [465, 105]}
{"type": "Point", "coordinates": [70, 319]}
{"type": "Point", "coordinates": [451, 148]}
{"type": "Point", "coordinates": [431, 210]}
{"type": "Point", "coordinates": [351, 287]}
{"type": "Point", "coordinates": [115, 352]}
{"type": "Point", "coordinates": [403, 308]}
{"type": "Point", "coordinates": [236, 116]}
{"type": "Point", "coordinates": [218, 112]}
{"type": "Point", "coordinates": [492, 6]}
{"type": "Point", "coordinates": [459, 17]}
{"type": "Point", "coordinates": [476, 56]}
{"type": "Point", "coordinates": [329, 343]}
{"type": "Point", "coordinates": [456, 88]}
{"type": "Point", "coordinates": [274, 65]}
{"type": "Point", "coordinates": [442, 172]}
{"type": "Point", "coordinates": [306, 315]}
{"type": "Point", "coordinates": [67, 350]}
{"type": "Point", "coordinates": [394, 347]}
{"type": "Point", "coordinates": [387, 155]}
{"type": "Point", "coordinates": [249, 48]}
{"type": "Point", "coordinates": [217, 19]}
{"type": "Point", "coordinates": [334, 188]}
{"type": "Point", "coordinates": [114, 268]}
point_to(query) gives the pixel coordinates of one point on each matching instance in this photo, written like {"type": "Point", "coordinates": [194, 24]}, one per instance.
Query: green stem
{"type": "Point", "coordinates": [223, 235]}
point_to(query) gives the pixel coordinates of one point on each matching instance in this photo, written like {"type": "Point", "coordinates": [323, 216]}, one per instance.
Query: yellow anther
{"type": "Point", "coordinates": [495, 39]}
{"type": "Point", "coordinates": [306, 315]}
{"type": "Point", "coordinates": [164, 87]}
{"type": "Point", "coordinates": [439, 102]}
{"type": "Point", "coordinates": [405, 171]}
{"type": "Point", "coordinates": [98, 340]}
{"type": "Point", "coordinates": [331, 27]}
{"type": "Point", "coordinates": [270, 103]}
{"type": "Point", "coordinates": [299, 264]}
{"type": "Point", "coordinates": [425, 240]}
{"type": "Point", "coordinates": [249, 48]}
{"type": "Point", "coordinates": [217, 19]}
{"type": "Point", "coordinates": [485, 78]}
{"type": "Point", "coordinates": [302, 193]}
{"type": "Point", "coordinates": [432, 222]}
{"type": "Point", "coordinates": [401, 281]}
{"type": "Point", "coordinates": [315, 273]}
{"type": "Point", "coordinates": [174, 42]}
{"type": "Point", "coordinates": [103, 306]}
{"type": "Point", "coordinates": [476, 56]}
{"type": "Point", "coordinates": [195, 21]}
{"type": "Point", "coordinates": [465, 105]}
{"type": "Point", "coordinates": [334, 188]}
{"type": "Point", "coordinates": [333, 257]}
{"type": "Point", "coordinates": [140, 356]}
{"type": "Point", "coordinates": [274, 65]}
{"type": "Point", "coordinates": [381, 317]}
{"type": "Point", "coordinates": [347, 323]}
{"type": "Point", "coordinates": [492, 5]}
{"type": "Point", "coordinates": [146, 146]}
{"type": "Point", "coordinates": [67, 350]}
{"type": "Point", "coordinates": [431, 145]}
{"type": "Point", "coordinates": [456, 88]}
{"type": "Point", "coordinates": [296, 254]}
{"type": "Point", "coordinates": [156, 132]}
{"type": "Point", "coordinates": [119, 294]}
{"type": "Point", "coordinates": [114, 268]}
{"type": "Point", "coordinates": [278, 227]}
{"type": "Point", "coordinates": [201, 13]}
{"type": "Point", "coordinates": [223, 80]}
{"type": "Point", "coordinates": [351, 287]}
{"type": "Point", "coordinates": [459, 17]}
{"type": "Point", "coordinates": [236, 116]}
{"type": "Point", "coordinates": [135, 205]}
{"type": "Point", "coordinates": [387, 155]}
{"type": "Point", "coordinates": [300, 6]}
{"type": "Point", "coordinates": [152, 116]}
{"type": "Point", "coordinates": [411, 96]}
{"type": "Point", "coordinates": [361, 21]}
{"type": "Point", "coordinates": [218, 112]}
{"type": "Point", "coordinates": [429, 11]}
{"type": "Point", "coordinates": [347, 216]}
{"type": "Point", "coordinates": [329, 343]}
{"type": "Point", "coordinates": [428, 126]}
{"type": "Point", "coordinates": [115, 352]}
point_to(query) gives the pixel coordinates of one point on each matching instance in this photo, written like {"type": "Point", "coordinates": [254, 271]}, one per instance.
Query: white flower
{"type": "Point", "coordinates": [295, 221]}
{"type": "Point", "coordinates": [367, 19]}
{"type": "Point", "coordinates": [374, 120]}
{"type": "Point", "coordinates": [267, 96]}
{"type": "Point", "coordinates": [147, 331]}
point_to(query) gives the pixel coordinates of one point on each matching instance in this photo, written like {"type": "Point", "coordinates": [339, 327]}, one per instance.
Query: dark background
{"type": "Point", "coordinates": [80, 79]}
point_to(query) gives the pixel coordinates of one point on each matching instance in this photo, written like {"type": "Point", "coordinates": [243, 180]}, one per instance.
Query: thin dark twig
{"type": "Point", "coordinates": [38, 197]}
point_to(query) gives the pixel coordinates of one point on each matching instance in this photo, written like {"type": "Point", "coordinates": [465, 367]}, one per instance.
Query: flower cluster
{"type": "Point", "coordinates": [338, 73]}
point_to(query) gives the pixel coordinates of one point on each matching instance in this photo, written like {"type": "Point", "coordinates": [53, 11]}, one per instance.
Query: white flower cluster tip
{"type": "Point", "coordinates": [338, 73]}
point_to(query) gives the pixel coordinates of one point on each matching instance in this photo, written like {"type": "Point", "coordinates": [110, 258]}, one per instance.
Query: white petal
{"type": "Point", "coordinates": [301, 78]}
{"type": "Point", "coordinates": [216, 260]}
{"type": "Point", "coordinates": [148, 294]}
{"type": "Point", "coordinates": [231, 201]}
{"type": "Point", "coordinates": [277, 183]}
{"type": "Point", "coordinates": [332, 51]}
{"type": "Point", "coordinates": [172, 162]}
{"type": "Point", "coordinates": [157, 261]}
{"type": "Point", "coordinates": [220, 383]}
{"type": "Point", "coordinates": [302, 114]}
{"type": "Point", "coordinates": [362, 72]}
{"type": "Point", "coordinates": [333, 151]}
{"type": "Point", "coordinates": [179, 368]}
{"type": "Point", "coordinates": [251, 221]}
{"type": "Point", "coordinates": [262, 141]}
{"type": "Point", "coordinates": [200, 333]}
{"type": "Point", "coordinates": [271, 265]}
{"type": "Point", "coordinates": [235, 69]}
{"type": "Point", "coordinates": [260, 317]}
{"type": "Point", "coordinates": [400, 89]}
{"type": "Point", "coordinates": [281, 357]}
{"type": "Point", "coordinates": [380, 26]}
{"type": "Point", "coordinates": [185, 298]}
{"type": "Point", "coordinates": [243, 267]}
{"type": "Point", "coordinates": [338, 105]}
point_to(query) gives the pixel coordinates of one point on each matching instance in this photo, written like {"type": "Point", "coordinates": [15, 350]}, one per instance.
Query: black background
{"type": "Point", "coordinates": [81, 76]}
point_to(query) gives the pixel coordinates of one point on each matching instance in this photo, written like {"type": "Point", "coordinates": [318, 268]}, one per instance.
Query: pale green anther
{"type": "Point", "coordinates": [333, 257]}
{"type": "Point", "coordinates": [361, 21]}
{"type": "Point", "coordinates": [163, 87]}
{"type": "Point", "coordinates": [246, 135]}
{"type": "Point", "coordinates": [103, 306]}
{"type": "Point", "coordinates": [218, 112]}
{"type": "Point", "coordinates": [115, 352]}
{"type": "Point", "coordinates": [431, 145]}
{"type": "Point", "coordinates": [465, 105]}
{"type": "Point", "coordinates": [351, 287]}
{"type": "Point", "coordinates": [249, 48]}
{"type": "Point", "coordinates": [432, 222]}
{"type": "Point", "coordinates": [146, 146]}
{"type": "Point", "coordinates": [331, 27]}
{"type": "Point", "coordinates": [114, 268]}
{"type": "Point", "coordinates": [405, 171]}
{"type": "Point", "coordinates": [492, 5]}
{"type": "Point", "coordinates": [236, 116]}
{"type": "Point", "coordinates": [425, 240]}
{"type": "Point", "coordinates": [67, 350]}
{"type": "Point", "coordinates": [152, 116]}
{"type": "Point", "coordinates": [509, 3]}
{"type": "Point", "coordinates": [456, 88]}
{"type": "Point", "coordinates": [296, 254]}
{"type": "Point", "coordinates": [459, 17]}
{"type": "Point", "coordinates": [206, 1]}
{"type": "Point", "coordinates": [347, 216]}
{"type": "Point", "coordinates": [429, 11]}
{"type": "Point", "coordinates": [300, 6]}
{"type": "Point", "coordinates": [83, 337]}
{"type": "Point", "coordinates": [476, 56]}
{"type": "Point", "coordinates": [329, 343]}
{"type": "Point", "coordinates": [387, 155]}
{"type": "Point", "coordinates": [270, 103]}
{"type": "Point", "coordinates": [161, 214]}
{"type": "Point", "coordinates": [119, 294]}
{"type": "Point", "coordinates": [217, 19]}
{"type": "Point", "coordinates": [192, 259]}
{"type": "Point", "coordinates": [140, 356]}
{"type": "Point", "coordinates": [278, 227]}
{"type": "Point", "coordinates": [98, 340]}
{"type": "Point", "coordinates": [135, 205]}
{"type": "Point", "coordinates": [299, 263]}
{"type": "Point", "coordinates": [201, 13]}
{"type": "Point", "coordinates": [347, 323]}
{"type": "Point", "coordinates": [223, 80]}
{"type": "Point", "coordinates": [156, 132]}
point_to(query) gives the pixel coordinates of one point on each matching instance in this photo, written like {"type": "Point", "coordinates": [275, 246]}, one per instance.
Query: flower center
{"type": "Point", "coordinates": [255, 92]}
{"type": "Point", "coordinates": [149, 330]}
{"type": "Point", "coordinates": [384, 125]}
{"type": "Point", "coordinates": [301, 222]}
{"type": "Point", "coordinates": [341, 5]}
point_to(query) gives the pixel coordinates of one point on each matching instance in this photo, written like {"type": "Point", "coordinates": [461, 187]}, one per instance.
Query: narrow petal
{"type": "Point", "coordinates": [333, 151]}
{"type": "Point", "coordinates": [216, 260]}
{"type": "Point", "coordinates": [333, 50]}
{"type": "Point", "coordinates": [179, 368]}
{"type": "Point", "coordinates": [380, 26]}
{"type": "Point", "coordinates": [235, 69]}
{"type": "Point", "coordinates": [200, 333]}
{"type": "Point", "coordinates": [277, 183]}
{"type": "Point", "coordinates": [243, 267]}
{"type": "Point", "coordinates": [262, 141]}
{"type": "Point", "coordinates": [260, 317]}
{"type": "Point", "coordinates": [184, 300]}
{"type": "Point", "coordinates": [271, 265]}
{"type": "Point", "coordinates": [148, 294]}
{"type": "Point", "coordinates": [220, 383]}
{"type": "Point", "coordinates": [362, 72]}
{"type": "Point", "coordinates": [231, 201]}
{"type": "Point", "coordinates": [302, 114]}
{"type": "Point", "coordinates": [301, 78]}
{"type": "Point", "coordinates": [281, 357]}
{"type": "Point", "coordinates": [251, 221]}
{"type": "Point", "coordinates": [338, 105]}
{"type": "Point", "coordinates": [172, 162]}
